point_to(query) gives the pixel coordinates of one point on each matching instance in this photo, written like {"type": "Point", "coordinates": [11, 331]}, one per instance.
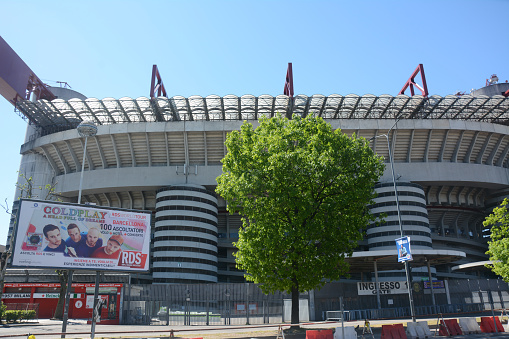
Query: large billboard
{"type": "Point", "coordinates": [71, 236]}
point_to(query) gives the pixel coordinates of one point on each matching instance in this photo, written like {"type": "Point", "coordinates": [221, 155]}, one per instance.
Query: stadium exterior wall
{"type": "Point", "coordinates": [460, 169]}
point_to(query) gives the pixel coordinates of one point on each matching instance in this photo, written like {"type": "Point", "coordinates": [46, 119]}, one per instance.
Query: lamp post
{"type": "Point", "coordinates": [391, 161]}
{"type": "Point", "coordinates": [227, 319]}
{"type": "Point", "coordinates": [89, 129]}
{"type": "Point", "coordinates": [85, 129]}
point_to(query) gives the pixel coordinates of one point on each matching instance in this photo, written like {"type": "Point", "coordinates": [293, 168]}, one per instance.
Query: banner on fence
{"type": "Point", "coordinates": [70, 236]}
{"type": "Point", "coordinates": [16, 296]}
{"type": "Point", "coordinates": [436, 284]}
{"type": "Point", "coordinates": [385, 287]}
{"type": "Point", "coordinates": [403, 247]}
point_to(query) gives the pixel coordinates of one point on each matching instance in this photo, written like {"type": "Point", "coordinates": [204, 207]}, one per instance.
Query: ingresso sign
{"type": "Point", "coordinates": [70, 236]}
{"type": "Point", "coordinates": [385, 287]}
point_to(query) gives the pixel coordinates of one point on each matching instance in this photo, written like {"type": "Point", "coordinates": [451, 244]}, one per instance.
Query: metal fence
{"type": "Point", "coordinates": [461, 296]}
{"type": "Point", "coordinates": [243, 303]}
{"type": "Point", "coordinates": [201, 304]}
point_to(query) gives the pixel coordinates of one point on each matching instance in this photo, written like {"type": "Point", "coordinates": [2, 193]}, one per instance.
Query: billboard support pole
{"type": "Point", "coordinates": [95, 311]}
{"type": "Point", "coordinates": [67, 299]}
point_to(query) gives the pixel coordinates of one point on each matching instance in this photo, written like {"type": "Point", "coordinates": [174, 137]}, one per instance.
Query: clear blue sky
{"type": "Point", "coordinates": [107, 49]}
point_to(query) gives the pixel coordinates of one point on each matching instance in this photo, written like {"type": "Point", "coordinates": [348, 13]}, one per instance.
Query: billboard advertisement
{"type": "Point", "coordinates": [403, 247]}
{"type": "Point", "coordinates": [71, 236]}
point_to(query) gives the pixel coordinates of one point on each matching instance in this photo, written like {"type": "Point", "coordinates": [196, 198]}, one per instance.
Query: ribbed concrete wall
{"type": "Point", "coordinates": [414, 217]}
{"type": "Point", "coordinates": [185, 237]}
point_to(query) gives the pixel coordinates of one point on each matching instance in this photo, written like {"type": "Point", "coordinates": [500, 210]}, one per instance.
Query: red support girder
{"type": "Point", "coordinates": [411, 82]}
{"type": "Point", "coordinates": [506, 93]}
{"type": "Point", "coordinates": [288, 90]}
{"type": "Point", "coordinates": [157, 87]}
{"type": "Point", "coordinates": [17, 81]}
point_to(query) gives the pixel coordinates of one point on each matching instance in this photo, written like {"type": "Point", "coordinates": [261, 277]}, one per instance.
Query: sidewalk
{"type": "Point", "coordinates": [77, 328]}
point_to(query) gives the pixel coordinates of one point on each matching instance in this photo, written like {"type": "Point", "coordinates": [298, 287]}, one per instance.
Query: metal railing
{"type": "Point", "coordinates": [242, 303]}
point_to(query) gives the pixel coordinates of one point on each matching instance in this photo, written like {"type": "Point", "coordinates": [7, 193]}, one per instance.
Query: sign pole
{"type": "Point", "coordinates": [95, 311]}
{"type": "Point", "coordinates": [67, 298]}
{"type": "Point", "coordinates": [343, 316]}
{"type": "Point", "coordinates": [377, 285]}
{"type": "Point", "coordinates": [431, 286]}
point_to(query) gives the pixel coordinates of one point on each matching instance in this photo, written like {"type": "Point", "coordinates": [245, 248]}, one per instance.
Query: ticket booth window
{"type": "Point", "coordinates": [109, 294]}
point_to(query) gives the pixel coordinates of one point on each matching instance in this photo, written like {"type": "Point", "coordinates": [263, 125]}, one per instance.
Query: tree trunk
{"type": "Point", "coordinates": [59, 311]}
{"type": "Point", "coordinates": [295, 305]}
{"type": "Point", "coordinates": [4, 257]}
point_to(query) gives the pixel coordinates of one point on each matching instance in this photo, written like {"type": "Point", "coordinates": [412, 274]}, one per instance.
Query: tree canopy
{"type": "Point", "coordinates": [303, 192]}
{"type": "Point", "coordinates": [498, 251]}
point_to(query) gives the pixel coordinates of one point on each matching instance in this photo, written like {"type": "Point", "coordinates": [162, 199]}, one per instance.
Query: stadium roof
{"type": "Point", "coordinates": [58, 114]}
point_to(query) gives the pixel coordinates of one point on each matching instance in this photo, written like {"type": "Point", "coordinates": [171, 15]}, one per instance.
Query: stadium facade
{"type": "Point", "coordinates": [451, 159]}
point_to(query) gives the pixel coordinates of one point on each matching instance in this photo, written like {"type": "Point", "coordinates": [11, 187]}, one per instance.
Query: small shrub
{"type": "Point", "coordinates": [12, 315]}
{"type": "Point", "coordinates": [28, 314]}
{"type": "Point", "coordinates": [3, 307]}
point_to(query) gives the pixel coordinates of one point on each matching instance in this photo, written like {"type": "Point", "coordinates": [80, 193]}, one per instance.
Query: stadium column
{"type": "Point", "coordinates": [185, 237]}
{"type": "Point", "coordinates": [414, 215]}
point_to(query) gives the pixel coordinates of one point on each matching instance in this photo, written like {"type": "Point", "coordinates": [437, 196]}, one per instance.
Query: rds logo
{"type": "Point", "coordinates": [132, 259]}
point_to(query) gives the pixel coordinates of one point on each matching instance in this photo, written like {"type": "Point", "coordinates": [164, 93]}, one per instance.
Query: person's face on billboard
{"type": "Point", "coordinates": [111, 247]}
{"type": "Point", "coordinates": [92, 237]}
{"type": "Point", "coordinates": [54, 238]}
{"type": "Point", "coordinates": [74, 234]}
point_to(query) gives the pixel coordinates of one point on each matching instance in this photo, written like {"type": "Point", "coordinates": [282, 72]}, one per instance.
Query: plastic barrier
{"type": "Point", "coordinates": [423, 325]}
{"type": "Point", "coordinates": [327, 334]}
{"type": "Point", "coordinates": [411, 330]}
{"type": "Point", "coordinates": [454, 327]}
{"type": "Point", "coordinates": [450, 327]}
{"type": "Point", "coordinates": [386, 332]}
{"type": "Point", "coordinates": [487, 325]}
{"type": "Point", "coordinates": [319, 334]}
{"type": "Point", "coordinates": [443, 329]}
{"type": "Point", "coordinates": [416, 330]}
{"type": "Point", "coordinates": [499, 325]}
{"type": "Point", "coordinates": [469, 325]}
{"type": "Point", "coordinates": [473, 325]}
{"type": "Point", "coordinates": [350, 333]}
{"type": "Point", "coordinates": [400, 330]}
{"type": "Point", "coordinates": [396, 331]}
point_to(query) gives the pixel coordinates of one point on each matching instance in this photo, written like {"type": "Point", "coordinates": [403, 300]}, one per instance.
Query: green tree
{"type": "Point", "coordinates": [498, 245]}
{"type": "Point", "coordinates": [303, 191]}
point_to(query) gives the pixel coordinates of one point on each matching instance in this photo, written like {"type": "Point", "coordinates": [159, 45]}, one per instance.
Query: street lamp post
{"type": "Point", "coordinates": [391, 161]}
{"type": "Point", "coordinates": [85, 129]}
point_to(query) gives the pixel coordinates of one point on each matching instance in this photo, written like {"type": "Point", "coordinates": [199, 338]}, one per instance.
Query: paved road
{"type": "Point", "coordinates": [49, 329]}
